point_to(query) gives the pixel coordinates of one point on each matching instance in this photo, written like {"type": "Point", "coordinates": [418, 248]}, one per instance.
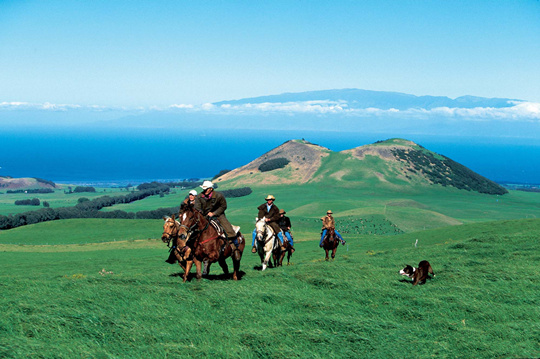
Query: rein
{"type": "Point", "coordinates": [194, 229]}
{"type": "Point", "coordinates": [263, 234]}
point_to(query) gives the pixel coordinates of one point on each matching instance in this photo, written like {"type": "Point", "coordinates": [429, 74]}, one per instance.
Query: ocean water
{"type": "Point", "coordinates": [117, 157]}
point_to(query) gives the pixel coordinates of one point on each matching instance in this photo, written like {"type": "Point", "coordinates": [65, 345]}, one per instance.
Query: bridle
{"type": "Point", "coordinates": [263, 234]}
{"type": "Point", "coordinates": [175, 235]}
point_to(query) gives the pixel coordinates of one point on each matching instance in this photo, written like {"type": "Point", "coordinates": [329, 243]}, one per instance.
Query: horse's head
{"type": "Point", "coordinates": [190, 220]}
{"type": "Point", "coordinates": [170, 229]}
{"type": "Point", "coordinates": [260, 227]}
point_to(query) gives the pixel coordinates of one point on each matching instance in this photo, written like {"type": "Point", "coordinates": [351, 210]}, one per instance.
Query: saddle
{"type": "Point", "coordinates": [221, 232]}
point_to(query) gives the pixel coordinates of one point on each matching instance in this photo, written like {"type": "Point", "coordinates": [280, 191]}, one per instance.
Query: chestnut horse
{"type": "Point", "coordinates": [330, 242]}
{"type": "Point", "coordinates": [207, 244]}
{"type": "Point", "coordinates": [177, 243]}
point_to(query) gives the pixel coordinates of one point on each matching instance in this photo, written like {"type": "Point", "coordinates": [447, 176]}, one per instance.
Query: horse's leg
{"type": "Point", "coordinates": [334, 252]}
{"type": "Point", "coordinates": [266, 258]}
{"type": "Point", "coordinates": [236, 257]}
{"type": "Point", "coordinates": [283, 256]}
{"type": "Point", "coordinates": [223, 265]}
{"type": "Point", "coordinates": [289, 254]}
{"type": "Point", "coordinates": [187, 269]}
{"type": "Point", "coordinates": [198, 265]}
{"type": "Point", "coordinates": [182, 265]}
{"type": "Point", "coordinates": [326, 258]}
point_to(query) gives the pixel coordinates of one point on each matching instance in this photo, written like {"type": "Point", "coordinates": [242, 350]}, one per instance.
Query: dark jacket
{"type": "Point", "coordinates": [273, 215]}
{"type": "Point", "coordinates": [216, 204]}
{"type": "Point", "coordinates": [284, 223]}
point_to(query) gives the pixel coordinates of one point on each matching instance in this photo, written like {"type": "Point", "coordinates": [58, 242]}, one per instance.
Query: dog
{"type": "Point", "coordinates": [420, 274]}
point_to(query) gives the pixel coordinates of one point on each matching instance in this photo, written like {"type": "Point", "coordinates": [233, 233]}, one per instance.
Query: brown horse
{"type": "Point", "coordinates": [285, 249]}
{"type": "Point", "coordinates": [330, 242]}
{"type": "Point", "coordinates": [177, 243]}
{"type": "Point", "coordinates": [207, 244]}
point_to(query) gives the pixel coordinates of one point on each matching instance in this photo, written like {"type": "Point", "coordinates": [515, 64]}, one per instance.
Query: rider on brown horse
{"type": "Point", "coordinates": [213, 204]}
{"type": "Point", "coordinates": [329, 223]}
{"type": "Point", "coordinates": [285, 225]}
{"type": "Point", "coordinates": [190, 199]}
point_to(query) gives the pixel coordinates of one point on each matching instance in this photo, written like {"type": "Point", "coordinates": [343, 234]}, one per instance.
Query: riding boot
{"type": "Point", "coordinates": [172, 258]}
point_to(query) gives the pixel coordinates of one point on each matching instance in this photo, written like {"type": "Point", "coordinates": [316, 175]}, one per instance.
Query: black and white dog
{"type": "Point", "coordinates": [420, 274]}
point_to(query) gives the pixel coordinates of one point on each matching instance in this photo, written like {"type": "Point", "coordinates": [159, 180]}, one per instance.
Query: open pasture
{"type": "Point", "coordinates": [120, 299]}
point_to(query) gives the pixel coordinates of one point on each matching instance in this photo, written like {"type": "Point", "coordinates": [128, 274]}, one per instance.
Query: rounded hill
{"type": "Point", "coordinates": [392, 163]}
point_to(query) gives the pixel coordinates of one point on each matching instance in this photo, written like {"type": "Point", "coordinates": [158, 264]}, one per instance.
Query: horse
{"type": "Point", "coordinates": [288, 250]}
{"type": "Point", "coordinates": [208, 245]}
{"type": "Point", "coordinates": [266, 243]}
{"type": "Point", "coordinates": [330, 242]}
{"type": "Point", "coordinates": [179, 248]}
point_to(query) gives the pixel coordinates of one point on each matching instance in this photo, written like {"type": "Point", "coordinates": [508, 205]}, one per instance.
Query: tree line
{"type": "Point", "coordinates": [28, 202]}
{"type": "Point", "coordinates": [38, 190]}
{"type": "Point", "coordinates": [86, 208]}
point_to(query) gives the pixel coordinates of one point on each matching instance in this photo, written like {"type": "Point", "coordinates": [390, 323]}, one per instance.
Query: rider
{"type": "Point", "coordinates": [190, 199]}
{"type": "Point", "coordinates": [329, 223]}
{"type": "Point", "coordinates": [213, 204]}
{"type": "Point", "coordinates": [271, 213]}
{"type": "Point", "coordinates": [285, 225]}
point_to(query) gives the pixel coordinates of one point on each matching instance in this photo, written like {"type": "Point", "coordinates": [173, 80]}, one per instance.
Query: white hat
{"type": "Point", "coordinates": [207, 184]}
{"type": "Point", "coordinates": [193, 192]}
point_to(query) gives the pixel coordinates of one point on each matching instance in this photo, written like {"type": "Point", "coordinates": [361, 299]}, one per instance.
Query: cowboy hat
{"type": "Point", "coordinates": [207, 184]}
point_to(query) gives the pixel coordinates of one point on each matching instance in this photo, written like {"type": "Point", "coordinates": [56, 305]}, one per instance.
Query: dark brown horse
{"type": "Point", "coordinates": [330, 242]}
{"type": "Point", "coordinates": [177, 243]}
{"type": "Point", "coordinates": [285, 249]}
{"type": "Point", "coordinates": [208, 245]}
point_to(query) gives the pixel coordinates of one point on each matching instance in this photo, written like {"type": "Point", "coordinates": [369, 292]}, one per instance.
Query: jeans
{"type": "Point", "coordinates": [280, 236]}
{"type": "Point", "coordinates": [337, 234]}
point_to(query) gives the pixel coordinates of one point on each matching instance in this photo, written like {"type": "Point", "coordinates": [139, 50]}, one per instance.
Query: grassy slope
{"type": "Point", "coordinates": [483, 302]}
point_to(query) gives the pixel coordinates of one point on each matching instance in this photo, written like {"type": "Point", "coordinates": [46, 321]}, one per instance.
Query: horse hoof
{"type": "Point", "coordinates": [263, 267]}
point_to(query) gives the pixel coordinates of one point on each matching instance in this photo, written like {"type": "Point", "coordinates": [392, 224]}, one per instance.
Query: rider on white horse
{"type": "Point", "coordinates": [270, 212]}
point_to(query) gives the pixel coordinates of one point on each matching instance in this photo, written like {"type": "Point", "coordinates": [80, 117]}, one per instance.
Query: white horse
{"type": "Point", "coordinates": [266, 241]}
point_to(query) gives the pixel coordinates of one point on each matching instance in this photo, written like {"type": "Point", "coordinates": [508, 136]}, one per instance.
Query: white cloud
{"type": "Point", "coordinates": [520, 111]}
{"type": "Point", "coordinates": [181, 106]}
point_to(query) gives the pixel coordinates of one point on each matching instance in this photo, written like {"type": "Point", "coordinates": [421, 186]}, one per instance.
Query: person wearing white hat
{"type": "Point", "coordinates": [329, 223]}
{"type": "Point", "coordinates": [213, 204]}
{"type": "Point", "coordinates": [190, 197]}
{"type": "Point", "coordinates": [270, 212]}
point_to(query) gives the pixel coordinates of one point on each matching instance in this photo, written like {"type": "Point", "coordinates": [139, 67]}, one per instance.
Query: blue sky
{"type": "Point", "coordinates": [160, 53]}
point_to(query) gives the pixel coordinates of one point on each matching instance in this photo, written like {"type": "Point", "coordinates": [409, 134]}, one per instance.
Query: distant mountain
{"type": "Point", "coordinates": [393, 163]}
{"type": "Point", "coordinates": [361, 99]}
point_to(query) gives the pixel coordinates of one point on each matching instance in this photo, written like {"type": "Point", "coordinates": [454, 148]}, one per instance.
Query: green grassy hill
{"type": "Point", "coordinates": [119, 298]}
{"type": "Point", "coordinates": [391, 164]}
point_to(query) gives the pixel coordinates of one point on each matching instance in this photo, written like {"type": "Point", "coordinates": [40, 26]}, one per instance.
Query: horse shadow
{"type": "Point", "coordinates": [222, 276]}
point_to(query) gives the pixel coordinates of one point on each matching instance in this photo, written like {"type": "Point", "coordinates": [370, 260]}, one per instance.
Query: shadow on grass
{"type": "Point", "coordinates": [221, 276]}
{"type": "Point", "coordinates": [411, 282]}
